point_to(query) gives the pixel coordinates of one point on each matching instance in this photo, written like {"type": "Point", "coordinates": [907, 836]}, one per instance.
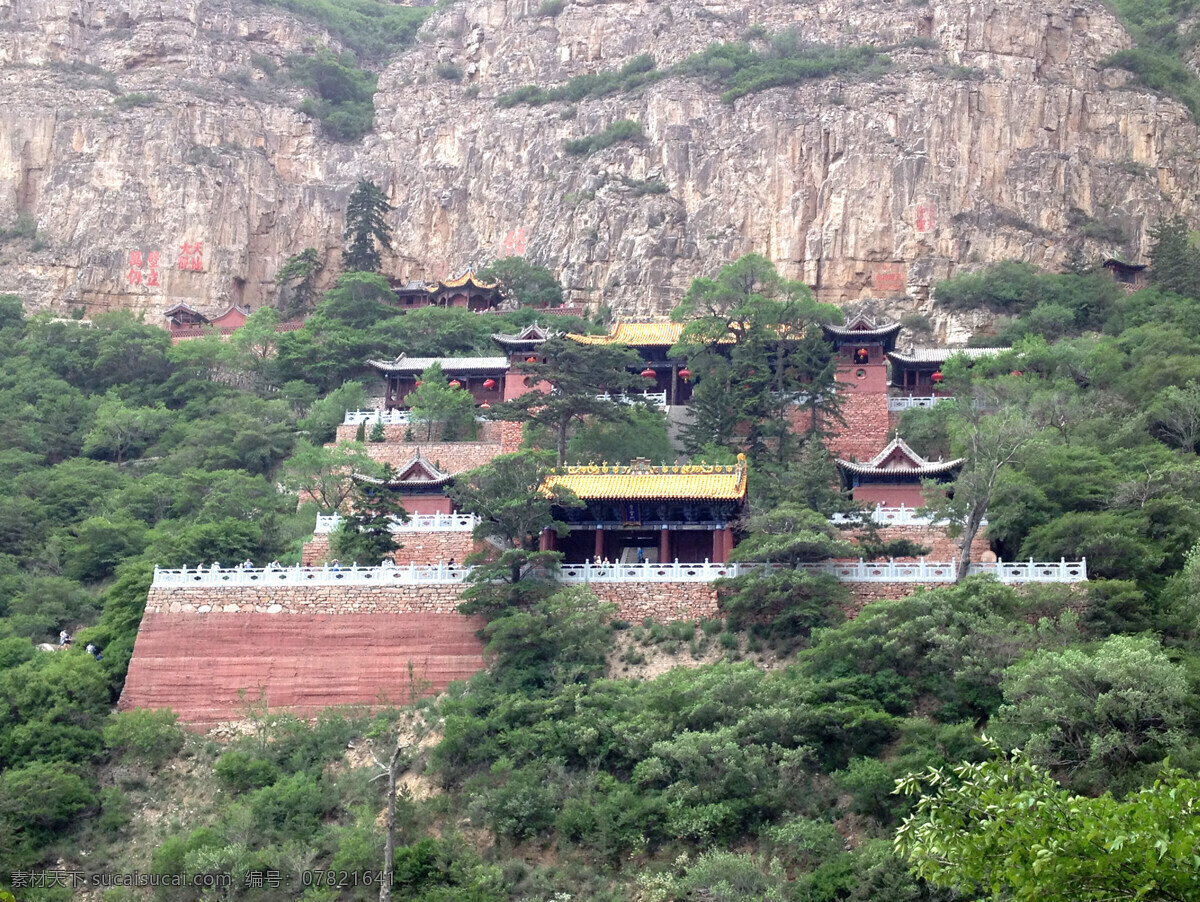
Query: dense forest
{"type": "Point", "coordinates": [765, 768]}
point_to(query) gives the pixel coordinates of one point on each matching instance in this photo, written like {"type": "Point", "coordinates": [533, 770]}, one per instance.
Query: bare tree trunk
{"type": "Point", "coordinates": [389, 845]}
{"type": "Point", "coordinates": [970, 530]}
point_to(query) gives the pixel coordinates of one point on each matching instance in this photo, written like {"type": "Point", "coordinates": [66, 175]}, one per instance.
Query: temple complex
{"type": "Point", "coordinates": [650, 539]}
{"type": "Point", "coordinates": [642, 513]}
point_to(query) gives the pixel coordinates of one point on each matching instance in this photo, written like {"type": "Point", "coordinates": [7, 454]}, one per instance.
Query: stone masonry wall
{"type": "Point", "coordinates": [418, 548]}
{"type": "Point", "coordinates": [942, 547]}
{"type": "Point", "coordinates": [866, 431]}
{"type": "Point", "coordinates": [453, 457]}
{"type": "Point", "coordinates": [488, 431]}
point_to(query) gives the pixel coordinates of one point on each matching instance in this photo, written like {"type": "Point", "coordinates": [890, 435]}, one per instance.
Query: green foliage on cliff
{"type": "Point", "coordinates": [1164, 34]}
{"type": "Point", "coordinates": [373, 29]}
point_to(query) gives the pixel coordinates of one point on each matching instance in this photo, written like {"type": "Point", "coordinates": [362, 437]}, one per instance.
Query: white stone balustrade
{"type": "Point", "coordinates": [416, 523]}
{"type": "Point", "coordinates": [898, 404]}
{"type": "Point", "coordinates": [847, 571]}
{"type": "Point", "coordinates": [894, 516]}
{"type": "Point", "coordinates": [409, 574]}
{"type": "Point", "coordinates": [658, 398]}
{"type": "Point", "coordinates": [377, 415]}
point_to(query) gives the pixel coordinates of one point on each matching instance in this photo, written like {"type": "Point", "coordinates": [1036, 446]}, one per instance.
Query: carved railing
{"type": "Point", "coordinates": [416, 523]}
{"type": "Point", "coordinates": [899, 404]}
{"type": "Point", "coordinates": [658, 398]}
{"type": "Point", "coordinates": [894, 516]}
{"type": "Point", "coordinates": [417, 574]}
{"type": "Point", "coordinates": [407, 575]}
{"type": "Point", "coordinates": [386, 417]}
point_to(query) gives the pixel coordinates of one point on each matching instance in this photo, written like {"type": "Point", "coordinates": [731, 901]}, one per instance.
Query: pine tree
{"type": "Point", "coordinates": [365, 226]}
{"type": "Point", "coordinates": [297, 281]}
{"type": "Point", "coordinates": [1175, 262]}
{"type": "Point", "coordinates": [365, 536]}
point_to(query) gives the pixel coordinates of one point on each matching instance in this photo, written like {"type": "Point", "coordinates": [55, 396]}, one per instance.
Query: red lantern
{"type": "Point", "coordinates": [454, 383]}
{"type": "Point", "coordinates": [417, 383]}
{"type": "Point", "coordinates": [685, 374]}
{"type": "Point", "coordinates": [489, 383]}
{"type": "Point", "coordinates": [648, 373]}
{"type": "Point", "coordinates": [1017, 373]}
{"type": "Point", "coordinates": [485, 406]}
{"type": "Point", "coordinates": [531, 360]}
{"type": "Point", "coordinates": [937, 377]}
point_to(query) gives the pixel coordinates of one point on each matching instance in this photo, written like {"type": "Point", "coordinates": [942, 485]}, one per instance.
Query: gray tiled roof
{"type": "Point", "coordinates": [939, 355]}
{"type": "Point", "coordinates": [450, 365]}
{"type": "Point", "coordinates": [919, 466]}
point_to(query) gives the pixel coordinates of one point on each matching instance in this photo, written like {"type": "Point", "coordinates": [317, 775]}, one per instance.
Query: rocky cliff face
{"type": "Point", "coordinates": [994, 134]}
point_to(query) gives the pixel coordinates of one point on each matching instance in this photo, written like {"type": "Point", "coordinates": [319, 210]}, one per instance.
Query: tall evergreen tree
{"type": "Point", "coordinates": [747, 389]}
{"type": "Point", "coordinates": [365, 226]}
{"type": "Point", "coordinates": [577, 374]}
{"type": "Point", "coordinates": [297, 281]}
{"type": "Point", "coordinates": [365, 535]}
{"type": "Point", "coordinates": [1175, 261]}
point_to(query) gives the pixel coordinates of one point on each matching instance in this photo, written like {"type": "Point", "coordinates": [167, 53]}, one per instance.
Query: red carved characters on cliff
{"type": "Point", "coordinates": [191, 256]}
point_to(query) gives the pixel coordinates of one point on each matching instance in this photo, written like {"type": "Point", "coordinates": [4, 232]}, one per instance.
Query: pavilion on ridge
{"type": "Point", "coordinates": [893, 477]}
{"type": "Point", "coordinates": [419, 486]}
{"type": "Point", "coordinates": [466, 290]}
{"type": "Point", "coordinates": [656, 514]}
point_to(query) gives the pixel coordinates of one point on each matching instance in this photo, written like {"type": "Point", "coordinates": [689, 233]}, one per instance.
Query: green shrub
{"type": "Point", "coordinates": [374, 29]}
{"type": "Point", "coordinates": [551, 8]}
{"type": "Point", "coordinates": [341, 93]}
{"type": "Point", "coordinates": [129, 101]}
{"type": "Point", "coordinates": [144, 735]}
{"type": "Point", "coordinates": [739, 69]}
{"type": "Point", "coordinates": [242, 771]}
{"type": "Point", "coordinates": [448, 72]}
{"type": "Point", "coordinates": [621, 130]}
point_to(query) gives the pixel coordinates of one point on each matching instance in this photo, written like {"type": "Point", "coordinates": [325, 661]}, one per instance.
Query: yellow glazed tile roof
{"type": "Point", "coordinates": [639, 481]}
{"type": "Point", "coordinates": [467, 277]}
{"type": "Point", "coordinates": [636, 335]}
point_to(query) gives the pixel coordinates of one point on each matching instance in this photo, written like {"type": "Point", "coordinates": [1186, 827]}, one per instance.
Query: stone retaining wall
{"type": "Point", "coordinates": [635, 600]}
{"type": "Point", "coordinates": [942, 547]}
{"type": "Point", "coordinates": [507, 435]}
{"type": "Point", "coordinates": [453, 457]}
{"type": "Point", "coordinates": [419, 548]}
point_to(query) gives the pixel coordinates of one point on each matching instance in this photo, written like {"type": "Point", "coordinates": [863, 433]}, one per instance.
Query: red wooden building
{"type": "Point", "coordinates": [419, 486]}
{"type": "Point", "coordinates": [646, 513]}
{"type": "Point", "coordinates": [653, 341]}
{"type": "Point", "coordinates": [893, 476]}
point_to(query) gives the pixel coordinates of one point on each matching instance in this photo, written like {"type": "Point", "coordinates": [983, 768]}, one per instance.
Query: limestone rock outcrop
{"type": "Point", "coordinates": [996, 132]}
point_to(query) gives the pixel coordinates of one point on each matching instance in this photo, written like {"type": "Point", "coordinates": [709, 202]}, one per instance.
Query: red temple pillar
{"type": "Point", "coordinates": [598, 556]}
{"type": "Point", "coordinates": [728, 536]}
{"type": "Point", "coordinates": [546, 541]}
{"type": "Point", "coordinates": [718, 551]}
{"type": "Point", "coordinates": [664, 545]}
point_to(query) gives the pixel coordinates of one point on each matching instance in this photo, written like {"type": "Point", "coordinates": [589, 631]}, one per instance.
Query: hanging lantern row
{"type": "Point", "coordinates": [685, 374]}
{"type": "Point", "coordinates": [937, 376]}
{"type": "Point", "coordinates": [489, 383]}
{"type": "Point", "coordinates": [648, 373]}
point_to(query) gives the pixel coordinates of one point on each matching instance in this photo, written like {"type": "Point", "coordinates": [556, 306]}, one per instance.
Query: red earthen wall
{"type": "Point", "coordinates": [487, 431]}
{"type": "Point", "coordinates": [942, 547]}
